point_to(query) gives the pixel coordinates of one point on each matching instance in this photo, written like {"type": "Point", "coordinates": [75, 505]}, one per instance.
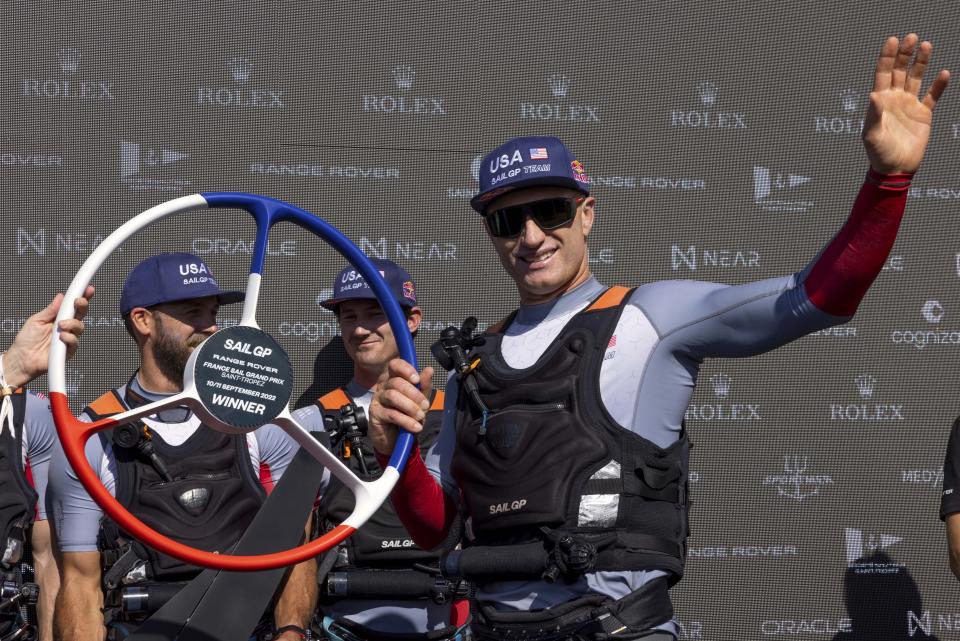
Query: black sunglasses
{"type": "Point", "coordinates": [549, 213]}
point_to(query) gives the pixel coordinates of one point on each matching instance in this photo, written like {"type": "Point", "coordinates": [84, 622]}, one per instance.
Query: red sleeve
{"type": "Point", "coordinates": [422, 505]}
{"type": "Point", "coordinates": [840, 276]}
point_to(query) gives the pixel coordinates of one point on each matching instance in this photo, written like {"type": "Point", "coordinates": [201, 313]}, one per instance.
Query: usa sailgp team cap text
{"type": "Point", "coordinates": [170, 277]}
{"type": "Point", "coordinates": [351, 285]}
{"type": "Point", "coordinates": [528, 161]}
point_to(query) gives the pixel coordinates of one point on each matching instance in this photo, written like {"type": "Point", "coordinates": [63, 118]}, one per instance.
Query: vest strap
{"type": "Point", "coordinates": [334, 400]}
{"type": "Point", "coordinates": [610, 298]}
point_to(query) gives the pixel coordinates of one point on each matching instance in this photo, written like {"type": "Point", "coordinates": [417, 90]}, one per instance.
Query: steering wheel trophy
{"type": "Point", "coordinates": [237, 380]}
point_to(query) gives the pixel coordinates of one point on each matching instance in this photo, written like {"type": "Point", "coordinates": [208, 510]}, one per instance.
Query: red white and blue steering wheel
{"type": "Point", "coordinates": [237, 380]}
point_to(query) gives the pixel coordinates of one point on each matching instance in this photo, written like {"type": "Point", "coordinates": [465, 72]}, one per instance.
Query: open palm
{"type": "Point", "coordinates": [897, 125]}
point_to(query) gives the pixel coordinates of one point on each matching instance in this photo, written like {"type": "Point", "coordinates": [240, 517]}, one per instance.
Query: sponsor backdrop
{"type": "Point", "coordinates": [722, 142]}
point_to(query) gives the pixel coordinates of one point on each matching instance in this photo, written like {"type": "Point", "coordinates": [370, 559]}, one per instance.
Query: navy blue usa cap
{"type": "Point", "coordinates": [351, 285]}
{"type": "Point", "coordinates": [166, 278]}
{"type": "Point", "coordinates": [528, 161]}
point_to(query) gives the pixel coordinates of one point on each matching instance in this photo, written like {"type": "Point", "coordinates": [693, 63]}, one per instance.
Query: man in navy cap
{"type": "Point", "coordinates": [196, 485]}
{"type": "Point", "coordinates": [380, 567]}
{"type": "Point", "coordinates": [563, 440]}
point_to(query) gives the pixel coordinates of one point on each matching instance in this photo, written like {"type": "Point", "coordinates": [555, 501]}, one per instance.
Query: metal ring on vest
{"type": "Point", "coordinates": [238, 414]}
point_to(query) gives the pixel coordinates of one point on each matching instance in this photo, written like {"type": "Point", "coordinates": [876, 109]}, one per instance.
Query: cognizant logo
{"type": "Point", "coordinates": [310, 331]}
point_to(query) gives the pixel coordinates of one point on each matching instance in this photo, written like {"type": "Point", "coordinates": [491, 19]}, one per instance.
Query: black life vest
{"type": "Point", "coordinates": [18, 499]}
{"type": "Point", "coordinates": [382, 543]}
{"type": "Point", "coordinates": [212, 499]}
{"type": "Point", "coordinates": [554, 467]}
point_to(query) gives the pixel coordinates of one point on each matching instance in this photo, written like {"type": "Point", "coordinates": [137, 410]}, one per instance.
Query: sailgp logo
{"type": "Point", "coordinates": [795, 483]}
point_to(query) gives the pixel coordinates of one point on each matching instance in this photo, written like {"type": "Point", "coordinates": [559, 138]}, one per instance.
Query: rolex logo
{"type": "Point", "coordinates": [721, 385]}
{"type": "Point", "coordinates": [69, 58]}
{"type": "Point", "coordinates": [558, 84]}
{"type": "Point", "coordinates": [240, 68]}
{"type": "Point", "coordinates": [403, 75]}
{"type": "Point", "coordinates": [708, 92]}
{"type": "Point", "coordinates": [865, 385]}
{"type": "Point", "coordinates": [849, 100]}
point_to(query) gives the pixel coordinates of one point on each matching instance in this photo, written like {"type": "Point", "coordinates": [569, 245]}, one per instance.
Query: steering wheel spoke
{"type": "Point", "coordinates": [316, 449]}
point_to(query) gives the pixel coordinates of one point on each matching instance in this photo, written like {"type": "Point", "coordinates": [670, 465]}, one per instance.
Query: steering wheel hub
{"type": "Point", "coordinates": [243, 378]}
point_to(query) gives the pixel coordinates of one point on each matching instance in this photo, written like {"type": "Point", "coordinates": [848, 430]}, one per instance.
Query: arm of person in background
{"type": "Point", "coordinates": [706, 320]}
{"type": "Point", "coordinates": [426, 506]}
{"type": "Point", "coordinates": [76, 518]}
{"type": "Point", "coordinates": [25, 360]}
{"type": "Point", "coordinates": [40, 436]}
{"type": "Point", "coordinates": [47, 573]}
{"type": "Point", "coordinates": [78, 614]}
{"type": "Point", "coordinates": [299, 590]}
{"type": "Point", "coordinates": [27, 357]}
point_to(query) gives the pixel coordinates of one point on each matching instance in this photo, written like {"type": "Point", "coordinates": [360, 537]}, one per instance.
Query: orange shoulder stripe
{"type": "Point", "coordinates": [107, 405]}
{"type": "Point", "coordinates": [334, 400]}
{"type": "Point", "coordinates": [610, 298]}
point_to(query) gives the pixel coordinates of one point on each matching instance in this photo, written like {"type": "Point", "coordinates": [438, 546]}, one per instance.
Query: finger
{"type": "Point", "coordinates": [402, 421]}
{"type": "Point", "coordinates": [426, 382]}
{"type": "Point", "coordinates": [73, 326]}
{"type": "Point", "coordinates": [72, 343]}
{"type": "Point", "coordinates": [917, 69]}
{"type": "Point", "coordinates": [399, 368]}
{"type": "Point", "coordinates": [888, 55]}
{"type": "Point", "coordinates": [48, 313]}
{"type": "Point", "coordinates": [902, 61]}
{"type": "Point", "coordinates": [409, 402]}
{"type": "Point", "coordinates": [80, 307]}
{"type": "Point", "coordinates": [936, 89]}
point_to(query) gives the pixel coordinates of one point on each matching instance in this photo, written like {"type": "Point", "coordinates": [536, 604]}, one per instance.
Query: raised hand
{"type": "Point", "coordinates": [27, 357]}
{"type": "Point", "coordinates": [398, 403]}
{"type": "Point", "coordinates": [897, 126]}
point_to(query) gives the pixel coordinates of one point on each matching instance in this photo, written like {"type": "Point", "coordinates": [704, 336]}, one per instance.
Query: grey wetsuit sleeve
{"type": "Point", "coordinates": [440, 456]}
{"type": "Point", "coordinates": [41, 435]}
{"type": "Point", "coordinates": [709, 320]}
{"type": "Point", "coordinates": [277, 449]}
{"type": "Point", "coordinates": [76, 516]}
